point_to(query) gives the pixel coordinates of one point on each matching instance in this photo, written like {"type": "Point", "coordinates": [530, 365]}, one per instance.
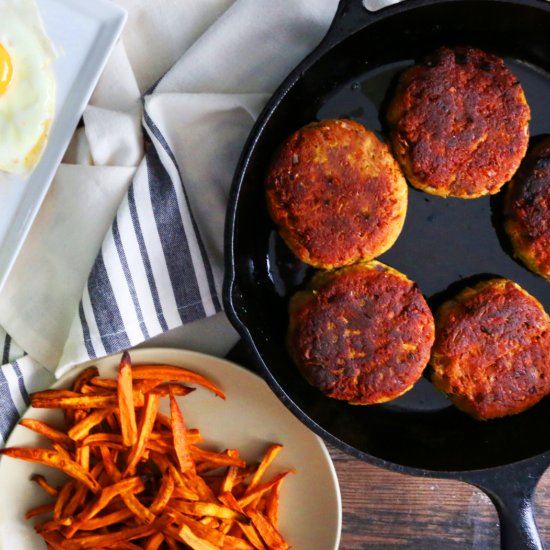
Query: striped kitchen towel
{"type": "Point", "coordinates": [161, 264]}
{"type": "Point", "coordinates": [139, 249]}
{"type": "Point", "coordinates": [152, 273]}
{"type": "Point", "coordinates": [19, 376]}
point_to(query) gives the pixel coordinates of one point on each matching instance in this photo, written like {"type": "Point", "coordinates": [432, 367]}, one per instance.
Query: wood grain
{"type": "Point", "coordinates": [383, 509]}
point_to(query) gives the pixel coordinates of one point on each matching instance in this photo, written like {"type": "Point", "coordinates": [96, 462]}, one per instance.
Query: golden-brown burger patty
{"type": "Point", "coordinates": [459, 123]}
{"type": "Point", "coordinates": [492, 350]}
{"type": "Point", "coordinates": [527, 210]}
{"type": "Point", "coordinates": [362, 333]}
{"type": "Point", "coordinates": [336, 194]}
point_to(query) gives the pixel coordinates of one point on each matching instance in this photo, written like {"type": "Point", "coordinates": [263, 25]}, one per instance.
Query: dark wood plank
{"type": "Point", "coordinates": [383, 509]}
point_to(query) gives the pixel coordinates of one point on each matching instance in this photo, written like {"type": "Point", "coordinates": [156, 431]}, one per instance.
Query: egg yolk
{"type": "Point", "coordinates": [5, 69]}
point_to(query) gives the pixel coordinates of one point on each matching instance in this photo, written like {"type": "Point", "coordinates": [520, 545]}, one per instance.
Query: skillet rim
{"type": "Point", "coordinates": [337, 33]}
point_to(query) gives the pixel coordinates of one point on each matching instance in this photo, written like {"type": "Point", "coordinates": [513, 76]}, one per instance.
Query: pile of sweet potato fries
{"type": "Point", "coordinates": [138, 478]}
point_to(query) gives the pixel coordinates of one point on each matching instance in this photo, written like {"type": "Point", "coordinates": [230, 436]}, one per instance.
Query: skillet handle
{"type": "Point", "coordinates": [352, 15]}
{"type": "Point", "coordinates": [511, 489]}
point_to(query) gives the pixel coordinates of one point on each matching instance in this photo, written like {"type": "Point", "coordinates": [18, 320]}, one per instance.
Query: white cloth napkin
{"type": "Point", "coordinates": [128, 246]}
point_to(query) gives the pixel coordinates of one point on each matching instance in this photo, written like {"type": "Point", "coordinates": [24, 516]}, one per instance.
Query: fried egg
{"type": "Point", "coordinates": [27, 85]}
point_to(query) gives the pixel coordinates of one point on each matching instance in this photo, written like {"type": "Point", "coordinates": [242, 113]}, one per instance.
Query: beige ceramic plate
{"type": "Point", "coordinates": [250, 419]}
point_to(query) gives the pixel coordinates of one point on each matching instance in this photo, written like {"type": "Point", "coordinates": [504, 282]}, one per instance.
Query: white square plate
{"type": "Point", "coordinates": [83, 34]}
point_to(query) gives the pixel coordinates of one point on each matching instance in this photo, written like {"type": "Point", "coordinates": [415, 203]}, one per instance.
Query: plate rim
{"type": "Point", "coordinates": [146, 354]}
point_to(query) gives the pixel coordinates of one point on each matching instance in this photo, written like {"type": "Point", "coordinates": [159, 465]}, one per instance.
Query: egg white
{"type": "Point", "coordinates": [27, 106]}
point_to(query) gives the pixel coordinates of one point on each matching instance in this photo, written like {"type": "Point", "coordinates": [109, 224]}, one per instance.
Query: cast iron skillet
{"type": "Point", "coordinates": [445, 244]}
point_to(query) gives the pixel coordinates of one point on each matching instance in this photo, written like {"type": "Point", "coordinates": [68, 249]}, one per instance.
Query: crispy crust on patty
{"type": "Point", "coordinates": [336, 194]}
{"type": "Point", "coordinates": [527, 210]}
{"type": "Point", "coordinates": [459, 123]}
{"type": "Point", "coordinates": [362, 333]}
{"type": "Point", "coordinates": [492, 349]}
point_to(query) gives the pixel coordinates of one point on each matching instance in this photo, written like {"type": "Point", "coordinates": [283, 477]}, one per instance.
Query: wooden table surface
{"type": "Point", "coordinates": [383, 509]}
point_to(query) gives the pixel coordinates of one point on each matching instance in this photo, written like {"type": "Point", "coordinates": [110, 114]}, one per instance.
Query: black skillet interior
{"type": "Point", "coordinates": [445, 244]}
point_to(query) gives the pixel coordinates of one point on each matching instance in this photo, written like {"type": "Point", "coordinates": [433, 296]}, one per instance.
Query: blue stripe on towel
{"type": "Point", "coordinates": [6, 352]}
{"type": "Point", "coordinates": [173, 240]}
{"type": "Point", "coordinates": [105, 308]}
{"type": "Point", "coordinates": [86, 332]}
{"type": "Point", "coordinates": [145, 258]}
{"type": "Point", "coordinates": [128, 277]}
{"type": "Point", "coordinates": [207, 267]}
{"type": "Point", "coordinates": [9, 414]}
{"type": "Point", "coordinates": [21, 382]}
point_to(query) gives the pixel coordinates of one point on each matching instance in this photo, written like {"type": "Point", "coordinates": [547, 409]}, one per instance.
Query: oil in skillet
{"type": "Point", "coordinates": [445, 243]}
{"type": "Point", "coordinates": [445, 240]}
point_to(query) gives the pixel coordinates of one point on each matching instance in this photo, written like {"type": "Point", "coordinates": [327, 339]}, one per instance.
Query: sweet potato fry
{"type": "Point", "coordinates": [107, 494]}
{"type": "Point", "coordinates": [199, 486]}
{"type": "Point", "coordinates": [41, 482]}
{"type": "Point", "coordinates": [171, 373]}
{"type": "Point", "coordinates": [99, 522]}
{"type": "Point", "coordinates": [186, 535]}
{"type": "Point", "coordinates": [154, 542]}
{"type": "Point", "coordinates": [164, 390]}
{"type": "Point", "coordinates": [76, 500]}
{"type": "Point", "coordinates": [63, 499]}
{"type": "Point", "coordinates": [82, 429]}
{"type": "Point", "coordinates": [269, 534]}
{"type": "Point", "coordinates": [90, 389]}
{"type": "Point", "coordinates": [180, 437]}
{"type": "Point", "coordinates": [164, 421]}
{"type": "Point", "coordinates": [62, 451]}
{"type": "Point", "coordinates": [262, 488]}
{"type": "Point", "coordinates": [164, 493]}
{"type": "Point", "coordinates": [46, 430]}
{"type": "Point", "coordinates": [55, 460]}
{"type": "Point", "coordinates": [236, 543]}
{"type": "Point", "coordinates": [185, 493]}
{"type": "Point", "coordinates": [105, 383]}
{"type": "Point", "coordinates": [193, 537]}
{"type": "Point", "coordinates": [146, 423]}
{"type": "Point", "coordinates": [143, 514]}
{"type": "Point", "coordinates": [208, 509]}
{"type": "Point", "coordinates": [39, 510]}
{"type": "Point", "coordinates": [249, 530]}
{"type": "Point", "coordinates": [53, 525]}
{"type": "Point", "coordinates": [54, 394]}
{"type": "Point", "coordinates": [126, 402]}
{"type": "Point", "coordinates": [84, 377]}
{"type": "Point", "coordinates": [74, 402]}
{"type": "Point", "coordinates": [104, 439]}
{"type": "Point", "coordinates": [222, 459]}
{"type": "Point", "coordinates": [83, 457]}
{"type": "Point", "coordinates": [160, 446]}
{"type": "Point", "coordinates": [55, 540]}
{"type": "Point", "coordinates": [231, 474]}
{"type": "Point", "coordinates": [125, 545]}
{"type": "Point", "coordinates": [272, 503]}
{"type": "Point", "coordinates": [268, 458]}
{"type": "Point", "coordinates": [109, 463]}
{"type": "Point", "coordinates": [79, 496]}
{"type": "Point", "coordinates": [107, 540]}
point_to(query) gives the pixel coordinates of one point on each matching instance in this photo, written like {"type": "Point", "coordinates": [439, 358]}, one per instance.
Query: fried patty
{"type": "Point", "coordinates": [492, 350]}
{"type": "Point", "coordinates": [336, 194]}
{"type": "Point", "coordinates": [362, 333]}
{"type": "Point", "coordinates": [459, 123]}
{"type": "Point", "coordinates": [527, 210]}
